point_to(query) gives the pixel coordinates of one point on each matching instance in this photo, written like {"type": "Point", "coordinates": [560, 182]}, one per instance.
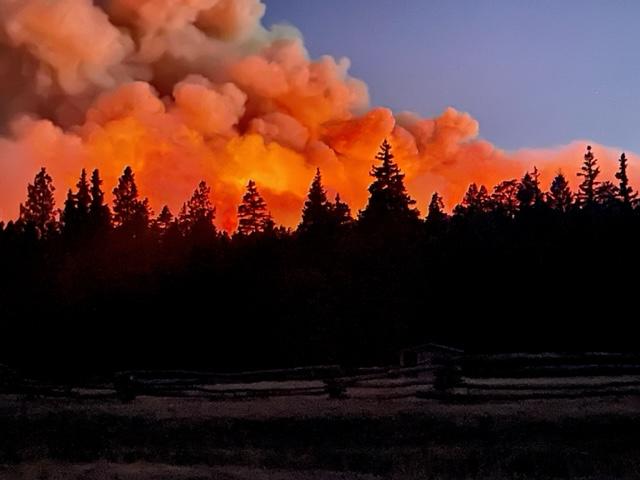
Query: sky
{"type": "Point", "coordinates": [534, 73]}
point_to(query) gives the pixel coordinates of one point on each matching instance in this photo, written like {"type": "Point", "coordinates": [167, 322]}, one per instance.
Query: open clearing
{"type": "Point", "coordinates": [317, 438]}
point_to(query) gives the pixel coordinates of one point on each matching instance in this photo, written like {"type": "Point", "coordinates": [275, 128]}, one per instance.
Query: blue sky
{"type": "Point", "coordinates": [534, 73]}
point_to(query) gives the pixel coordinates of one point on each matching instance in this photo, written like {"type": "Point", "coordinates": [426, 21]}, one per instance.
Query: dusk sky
{"type": "Point", "coordinates": [533, 73]}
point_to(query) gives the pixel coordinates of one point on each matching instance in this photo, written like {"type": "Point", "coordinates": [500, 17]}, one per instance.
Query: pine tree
{"type": "Point", "coordinates": [129, 211]}
{"type": "Point", "coordinates": [163, 221]}
{"type": "Point", "coordinates": [436, 213]}
{"type": "Point", "coordinates": [589, 172]}
{"type": "Point", "coordinates": [69, 216]}
{"type": "Point", "coordinates": [626, 193]}
{"type": "Point", "coordinates": [316, 214]}
{"type": "Point", "coordinates": [197, 215]}
{"type": "Point", "coordinates": [607, 194]}
{"type": "Point", "coordinates": [529, 192]}
{"type": "Point", "coordinates": [76, 212]}
{"type": "Point", "coordinates": [475, 201]}
{"type": "Point", "coordinates": [560, 195]}
{"type": "Point", "coordinates": [340, 213]}
{"type": "Point", "coordinates": [388, 200]}
{"type": "Point", "coordinates": [39, 209]}
{"type": "Point", "coordinates": [505, 197]}
{"type": "Point", "coordinates": [99, 213]}
{"type": "Point", "coordinates": [83, 197]}
{"type": "Point", "coordinates": [253, 216]}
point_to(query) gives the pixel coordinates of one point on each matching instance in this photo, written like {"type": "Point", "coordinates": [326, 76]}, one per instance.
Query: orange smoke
{"type": "Point", "coordinates": [185, 91]}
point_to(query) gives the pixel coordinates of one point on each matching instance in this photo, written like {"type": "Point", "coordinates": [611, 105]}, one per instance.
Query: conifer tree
{"type": "Point", "coordinates": [529, 192]}
{"type": "Point", "coordinates": [505, 197]}
{"type": "Point", "coordinates": [436, 213]}
{"type": "Point", "coordinates": [560, 195]}
{"type": "Point", "coordinates": [316, 214]}
{"type": "Point", "coordinates": [76, 212]}
{"type": "Point", "coordinates": [607, 194]}
{"type": "Point", "coordinates": [475, 201]}
{"type": "Point", "coordinates": [388, 199]}
{"type": "Point", "coordinates": [340, 213]}
{"type": "Point", "coordinates": [627, 194]}
{"type": "Point", "coordinates": [99, 213]}
{"type": "Point", "coordinates": [589, 172]}
{"type": "Point", "coordinates": [197, 215]}
{"type": "Point", "coordinates": [163, 221]}
{"type": "Point", "coordinates": [69, 216]}
{"type": "Point", "coordinates": [129, 211]}
{"type": "Point", "coordinates": [253, 216]}
{"type": "Point", "coordinates": [83, 198]}
{"type": "Point", "coordinates": [39, 209]}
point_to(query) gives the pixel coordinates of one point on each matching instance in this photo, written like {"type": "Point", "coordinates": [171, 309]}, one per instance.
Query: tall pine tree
{"type": "Point", "coordinates": [99, 213]}
{"type": "Point", "coordinates": [340, 214]}
{"type": "Point", "coordinates": [163, 221]}
{"type": "Point", "coordinates": [69, 216]}
{"type": "Point", "coordinates": [83, 197]}
{"type": "Point", "coordinates": [560, 196]}
{"type": "Point", "coordinates": [253, 216]}
{"type": "Point", "coordinates": [506, 197]}
{"type": "Point", "coordinates": [475, 201]}
{"type": "Point", "coordinates": [626, 193]}
{"type": "Point", "coordinates": [197, 215]}
{"type": "Point", "coordinates": [435, 212]}
{"type": "Point", "coordinates": [316, 214]}
{"type": "Point", "coordinates": [607, 194]}
{"type": "Point", "coordinates": [129, 211]}
{"type": "Point", "coordinates": [39, 209]}
{"type": "Point", "coordinates": [76, 212]}
{"type": "Point", "coordinates": [388, 199]}
{"type": "Point", "coordinates": [529, 192]}
{"type": "Point", "coordinates": [589, 172]}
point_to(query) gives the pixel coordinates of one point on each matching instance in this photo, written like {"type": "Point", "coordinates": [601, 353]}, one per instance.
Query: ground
{"type": "Point", "coordinates": [317, 438]}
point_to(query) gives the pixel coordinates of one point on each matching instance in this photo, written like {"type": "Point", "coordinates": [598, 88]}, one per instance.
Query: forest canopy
{"type": "Point", "coordinates": [519, 265]}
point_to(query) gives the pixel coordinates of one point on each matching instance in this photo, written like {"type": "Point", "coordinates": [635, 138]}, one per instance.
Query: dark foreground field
{"type": "Point", "coordinates": [311, 438]}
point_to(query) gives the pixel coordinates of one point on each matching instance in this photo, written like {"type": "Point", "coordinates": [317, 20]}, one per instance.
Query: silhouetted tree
{"type": "Point", "coordinates": [129, 211]}
{"type": "Point", "coordinates": [589, 172]}
{"type": "Point", "coordinates": [197, 215]}
{"type": "Point", "coordinates": [627, 194]}
{"type": "Point", "coordinates": [99, 213]}
{"type": "Point", "coordinates": [163, 221]}
{"type": "Point", "coordinates": [437, 219]}
{"type": "Point", "coordinates": [560, 195]}
{"type": "Point", "coordinates": [76, 212]}
{"type": "Point", "coordinates": [253, 216]}
{"type": "Point", "coordinates": [435, 211]}
{"type": "Point", "coordinates": [69, 216]}
{"type": "Point", "coordinates": [388, 199]}
{"type": "Point", "coordinates": [505, 197]}
{"type": "Point", "coordinates": [475, 201]}
{"type": "Point", "coordinates": [83, 197]}
{"type": "Point", "coordinates": [529, 192]}
{"type": "Point", "coordinates": [340, 213]}
{"type": "Point", "coordinates": [39, 209]}
{"type": "Point", "coordinates": [316, 213]}
{"type": "Point", "coordinates": [607, 194]}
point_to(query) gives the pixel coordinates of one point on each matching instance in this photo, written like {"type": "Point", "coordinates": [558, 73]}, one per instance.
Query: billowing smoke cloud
{"type": "Point", "coordinates": [184, 90]}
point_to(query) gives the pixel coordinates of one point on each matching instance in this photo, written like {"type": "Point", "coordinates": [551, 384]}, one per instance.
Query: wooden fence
{"type": "Point", "coordinates": [464, 378]}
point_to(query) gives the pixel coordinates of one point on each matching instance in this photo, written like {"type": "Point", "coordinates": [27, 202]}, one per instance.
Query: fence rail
{"type": "Point", "coordinates": [466, 378]}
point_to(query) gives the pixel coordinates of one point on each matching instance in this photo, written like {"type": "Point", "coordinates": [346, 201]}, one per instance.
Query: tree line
{"type": "Point", "coordinates": [85, 210]}
{"type": "Point", "coordinates": [515, 267]}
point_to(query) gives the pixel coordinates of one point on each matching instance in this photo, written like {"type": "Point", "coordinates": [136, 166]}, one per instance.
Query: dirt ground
{"type": "Point", "coordinates": [317, 438]}
{"type": "Point", "coordinates": [147, 471]}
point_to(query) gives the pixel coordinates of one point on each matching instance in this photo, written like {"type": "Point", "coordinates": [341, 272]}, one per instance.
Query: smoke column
{"type": "Point", "coordinates": [185, 90]}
